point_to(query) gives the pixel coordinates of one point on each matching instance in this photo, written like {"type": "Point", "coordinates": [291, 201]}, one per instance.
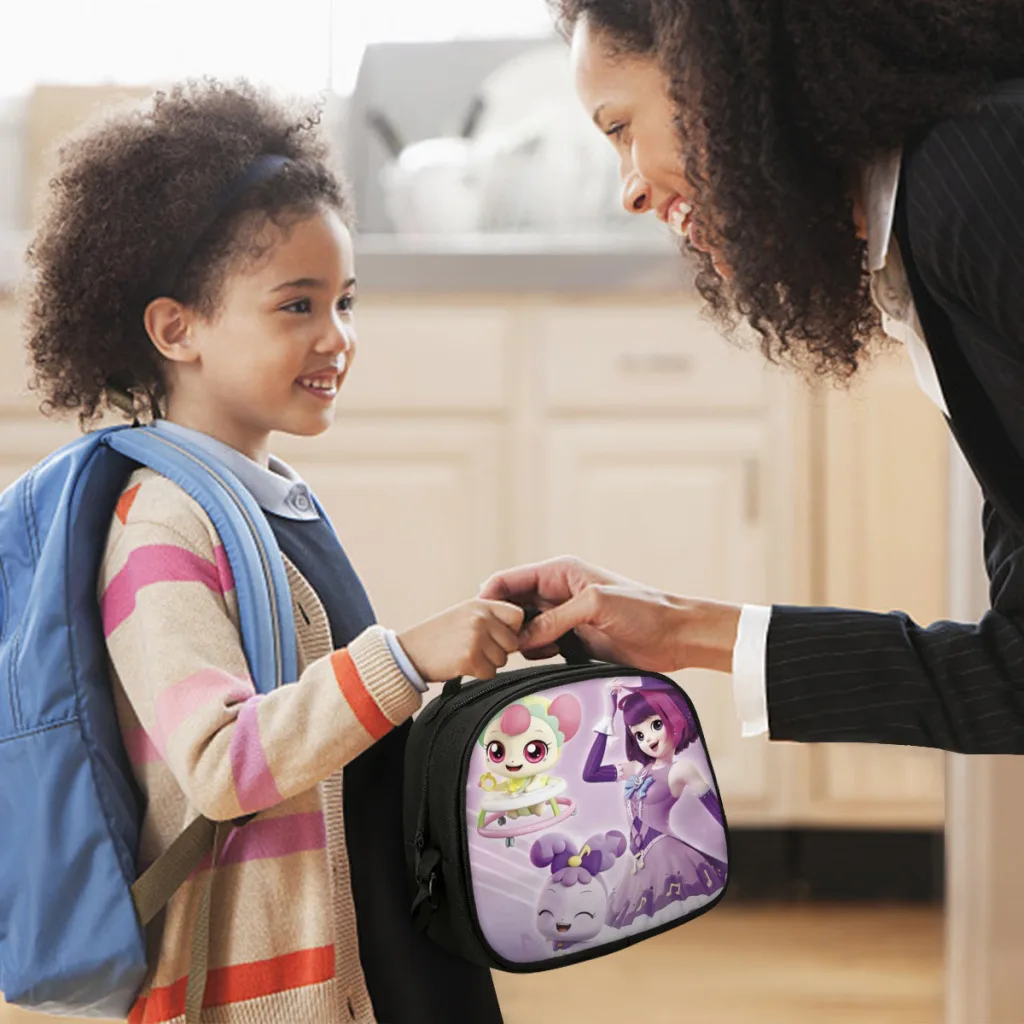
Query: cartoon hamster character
{"type": "Point", "coordinates": [573, 903]}
{"type": "Point", "coordinates": [524, 743]}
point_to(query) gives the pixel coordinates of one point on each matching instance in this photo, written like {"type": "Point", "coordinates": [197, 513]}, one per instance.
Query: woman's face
{"type": "Point", "coordinates": [627, 95]}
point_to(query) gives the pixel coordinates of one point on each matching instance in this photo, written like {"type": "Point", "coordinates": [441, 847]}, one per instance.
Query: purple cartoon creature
{"type": "Point", "coordinates": [665, 869]}
{"type": "Point", "coordinates": [574, 902]}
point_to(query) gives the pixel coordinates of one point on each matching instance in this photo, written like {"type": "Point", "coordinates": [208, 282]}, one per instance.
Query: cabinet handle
{"type": "Point", "coordinates": [655, 363]}
{"type": "Point", "coordinates": [752, 490]}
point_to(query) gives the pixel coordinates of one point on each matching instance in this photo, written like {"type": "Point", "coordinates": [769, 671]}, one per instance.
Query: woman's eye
{"type": "Point", "coordinates": [656, 725]}
{"type": "Point", "coordinates": [535, 751]}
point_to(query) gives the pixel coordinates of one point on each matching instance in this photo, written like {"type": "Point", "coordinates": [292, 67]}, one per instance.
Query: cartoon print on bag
{"type": "Point", "coordinates": [521, 746]}
{"type": "Point", "coordinates": [573, 904]}
{"type": "Point", "coordinates": [665, 869]}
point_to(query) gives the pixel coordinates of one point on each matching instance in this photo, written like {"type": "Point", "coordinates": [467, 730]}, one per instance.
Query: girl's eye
{"type": "Point", "coordinates": [347, 303]}
{"type": "Point", "coordinates": [615, 132]}
{"type": "Point", "coordinates": [656, 725]}
{"type": "Point", "coordinates": [298, 306]}
{"type": "Point", "coordinates": [535, 751]}
{"type": "Point", "coordinates": [639, 735]}
{"type": "Point", "coordinates": [496, 752]}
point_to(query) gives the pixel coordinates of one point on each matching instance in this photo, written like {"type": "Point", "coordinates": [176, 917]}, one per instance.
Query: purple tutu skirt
{"type": "Point", "coordinates": [671, 871]}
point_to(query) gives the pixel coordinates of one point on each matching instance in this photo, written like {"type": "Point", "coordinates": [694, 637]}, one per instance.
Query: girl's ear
{"type": "Point", "coordinates": [167, 325]}
{"type": "Point", "coordinates": [567, 710]}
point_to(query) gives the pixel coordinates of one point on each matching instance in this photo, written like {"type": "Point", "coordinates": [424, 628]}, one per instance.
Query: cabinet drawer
{"type": "Point", "coordinates": [635, 358]}
{"type": "Point", "coordinates": [412, 358]}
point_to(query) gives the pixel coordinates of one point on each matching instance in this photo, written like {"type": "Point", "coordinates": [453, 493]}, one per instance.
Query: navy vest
{"type": "Point", "coordinates": [411, 980]}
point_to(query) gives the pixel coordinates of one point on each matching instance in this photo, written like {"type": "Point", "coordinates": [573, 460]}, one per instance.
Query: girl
{"type": "Point", "coordinates": [194, 266]}
{"type": "Point", "coordinates": [665, 869]}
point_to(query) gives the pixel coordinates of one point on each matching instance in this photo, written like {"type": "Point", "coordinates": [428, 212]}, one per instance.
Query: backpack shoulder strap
{"type": "Point", "coordinates": [264, 599]}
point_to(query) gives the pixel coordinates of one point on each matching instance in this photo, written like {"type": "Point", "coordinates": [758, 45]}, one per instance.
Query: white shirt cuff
{"type": "Point", "coordinates": [749, 656]}
{"type": "Point", "coordinates": [407, 667]}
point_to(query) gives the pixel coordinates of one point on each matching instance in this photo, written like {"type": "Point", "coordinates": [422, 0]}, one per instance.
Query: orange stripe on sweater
{"type": "Point", "coordinates": [125, 502]}
{"type": "Point", "coordinates": [358, 698]}
{"type": "Point", "coordinates": [236, 984]}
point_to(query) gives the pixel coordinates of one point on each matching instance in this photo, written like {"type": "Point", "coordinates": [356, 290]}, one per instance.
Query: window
{"type": "Point", "coordinates": [297, 46]}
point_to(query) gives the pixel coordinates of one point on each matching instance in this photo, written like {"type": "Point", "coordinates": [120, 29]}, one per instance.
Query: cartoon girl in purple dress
{"type": "Point", "coordinates": [664, 868]}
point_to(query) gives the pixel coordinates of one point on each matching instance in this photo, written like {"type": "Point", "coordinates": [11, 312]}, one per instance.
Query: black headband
{"type": "Point", "coordinates": [260, 170]}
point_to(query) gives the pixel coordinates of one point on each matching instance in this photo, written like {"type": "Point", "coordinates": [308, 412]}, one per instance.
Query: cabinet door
{"type": "Point", "coordinates": [418, 505]}
{"type": "Point", "coordinates": [885, 506]}
{"type": "Point", "coordinates": [675, 504]}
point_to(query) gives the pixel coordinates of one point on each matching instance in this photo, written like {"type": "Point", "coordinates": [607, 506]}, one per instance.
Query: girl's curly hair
{"type": "Point", "coordinates": [779, 103]}
{"type": "Point", "coordinates": [127, 191]}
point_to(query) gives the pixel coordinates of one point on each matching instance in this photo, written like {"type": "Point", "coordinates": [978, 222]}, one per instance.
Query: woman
{"type": "Point", "coordinates": [840, 169]}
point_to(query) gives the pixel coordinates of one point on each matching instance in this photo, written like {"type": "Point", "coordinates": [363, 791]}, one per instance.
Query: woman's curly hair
{"type": "Point", "coordinates": [128, 190]}
{"type": "Point", "coordinates": [779, 103]}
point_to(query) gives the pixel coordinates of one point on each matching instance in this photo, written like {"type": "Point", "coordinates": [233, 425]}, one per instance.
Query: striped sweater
{"type": "Point", "coordinates": [283, 944]}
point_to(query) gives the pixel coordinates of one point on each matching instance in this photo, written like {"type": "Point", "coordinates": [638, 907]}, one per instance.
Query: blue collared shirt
{"type": "Point", "coordinates": [278, 489]}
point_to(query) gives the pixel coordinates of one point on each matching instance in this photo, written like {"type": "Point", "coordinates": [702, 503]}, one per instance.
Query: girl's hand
{"type": "Point", "coordinates": [474, 638]}
{"type": "Point", "coordinates": [618, 619]}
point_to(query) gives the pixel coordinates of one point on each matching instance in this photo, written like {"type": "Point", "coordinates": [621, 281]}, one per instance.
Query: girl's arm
{"type": "Point", "coordinates": [169, 613]}
{"type": "Point", "coordinates": [686, 775]}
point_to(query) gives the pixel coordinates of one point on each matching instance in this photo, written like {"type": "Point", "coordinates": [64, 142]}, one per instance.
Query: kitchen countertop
{"type": "Point", "coordinates": [581, 264]}
{"type": "Point", "coordinates": [585, 264]}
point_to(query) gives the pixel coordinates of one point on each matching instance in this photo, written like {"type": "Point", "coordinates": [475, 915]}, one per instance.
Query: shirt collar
{"type": "Point", "coordinates": [879, 184]}
{"type": "Point", "coordinates": [277, 489]}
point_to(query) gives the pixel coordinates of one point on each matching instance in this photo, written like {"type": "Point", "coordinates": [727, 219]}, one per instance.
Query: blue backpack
{"type": "Point", "coordinates": [72, 913]}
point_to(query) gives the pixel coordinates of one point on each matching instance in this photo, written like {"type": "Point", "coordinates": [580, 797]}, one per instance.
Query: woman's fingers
{"type": "Point", "coordinates": [555, 622]}
{"type": "Point", "coordinates": [550, 582]}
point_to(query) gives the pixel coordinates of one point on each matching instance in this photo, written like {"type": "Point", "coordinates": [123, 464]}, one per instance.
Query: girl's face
{"type": "Point", "coordinates": [653, 737]}
{"type": "Point", "coordinates": [627, 95]}
{"type": "Point", "coordinates": [275, 354]}
{"type": "Point", "coordinates": [522, 756]}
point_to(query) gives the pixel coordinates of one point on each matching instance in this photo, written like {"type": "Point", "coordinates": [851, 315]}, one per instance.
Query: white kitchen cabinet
{"type": "Point", "coordinates": [474, 434]}
{"type": "Point", "coordinates": [884, 507]}
{"type": "Point", "coordinates": [418, 503]}
{"type": "Point", "coordinates": [676, 504]}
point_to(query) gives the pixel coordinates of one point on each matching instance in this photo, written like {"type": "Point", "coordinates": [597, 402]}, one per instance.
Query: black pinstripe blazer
{"type": "Point", "coordinates": [836, 675]}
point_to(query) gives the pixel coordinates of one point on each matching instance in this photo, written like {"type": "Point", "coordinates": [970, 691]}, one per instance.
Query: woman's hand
{"type": "Point", "coordinates": [618, 619]}
{"type": "Point", "coordinates": [474, 638]}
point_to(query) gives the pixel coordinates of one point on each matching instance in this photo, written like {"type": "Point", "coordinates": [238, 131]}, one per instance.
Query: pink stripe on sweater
{"type": "Point", "coordinates": [227, 578]}
{"type": "Point", "coordinates": [254, 783]}
{"type": "Point", "coordinates": [182, 700]}
{"type": "Point", "coordinates": [141, 749]}
{"type": "Point", "coordinates": [159, 563]}
{"type": "Point", "coordinates": [267, 838]}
